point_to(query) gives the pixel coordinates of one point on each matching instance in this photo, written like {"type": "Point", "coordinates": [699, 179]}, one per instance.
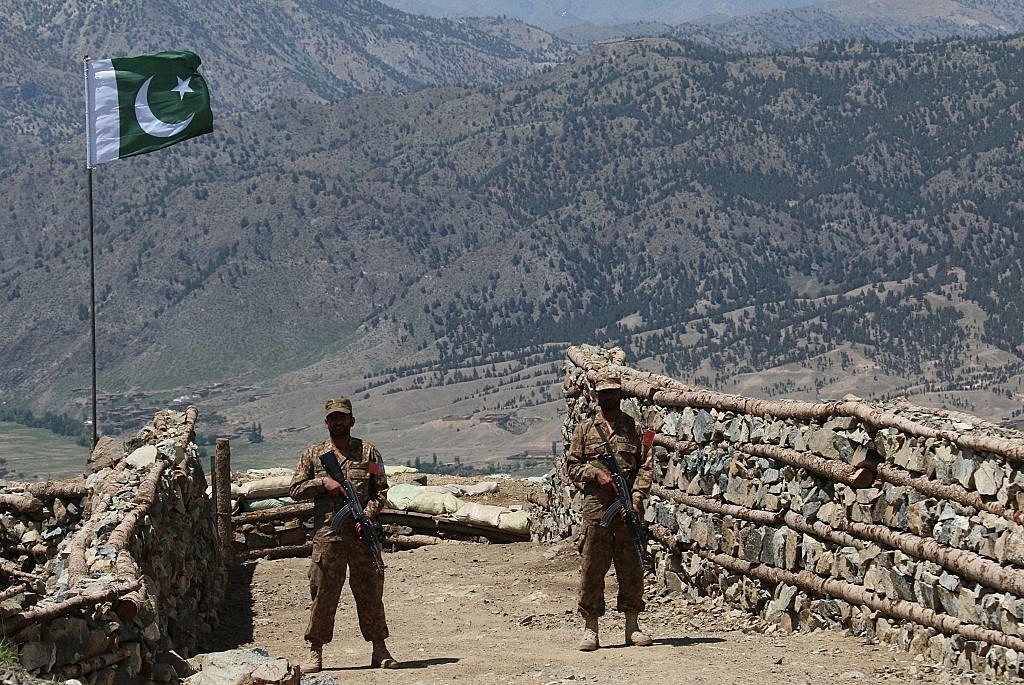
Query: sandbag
{"type": "Point", "coordinates": [236, 491]}
{"type": "Point", "coordinates": [273, 471]}
{"type": "Point", "coordinates": [450, 488]}
{"type": "Point", "coordinates": [516, 521]}
{"type": "Point", "coordinates": [264, 504]}
{"type": "Point", "coordinates": [434, 503]}
{"type": "Point", "coordinates": [486, 514]}
{"type": "Point", "coordinates": [401, 494]}
{"type": "Point", "coordinates": [267, 488]}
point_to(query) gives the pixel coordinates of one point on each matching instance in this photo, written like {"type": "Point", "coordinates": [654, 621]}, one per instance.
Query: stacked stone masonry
{"type": "Point", "coordinates": [115, 577]}
{"type": "Point", "coordinates": [896, 523]}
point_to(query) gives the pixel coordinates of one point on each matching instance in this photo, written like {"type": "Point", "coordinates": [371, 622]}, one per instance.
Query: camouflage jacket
{"type": "Point", "coordinates": [362, 465]}
{"type": "Point", "coordinates": [584, 461]}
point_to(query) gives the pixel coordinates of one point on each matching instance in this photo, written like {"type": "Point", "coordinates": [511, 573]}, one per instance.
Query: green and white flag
{"type": "Point", "coordinates": [140, 104]}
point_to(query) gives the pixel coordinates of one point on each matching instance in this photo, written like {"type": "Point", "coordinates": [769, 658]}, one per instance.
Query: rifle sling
{"type": "Point", "coordinates": [611, 455]}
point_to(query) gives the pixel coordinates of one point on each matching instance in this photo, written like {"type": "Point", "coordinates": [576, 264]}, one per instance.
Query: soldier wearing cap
{"type": "Point", "coordinates": [336, 552]}
{"type": "Point", "coordinates": [601, 546]}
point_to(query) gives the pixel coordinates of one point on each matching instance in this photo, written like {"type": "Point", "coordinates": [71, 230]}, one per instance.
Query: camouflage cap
{"type": "Point", "coordinates": [608, 380]}
{"type": "Point", "coordinates": [338, 404]}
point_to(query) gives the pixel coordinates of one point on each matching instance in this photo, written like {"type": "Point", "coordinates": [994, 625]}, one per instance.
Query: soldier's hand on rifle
{"type": "Point", "coordinates": [331, 486]}
{"type": "Point", "coordinates": [359, 530]}
{"type": "Point", "coordinates": [604, 479]}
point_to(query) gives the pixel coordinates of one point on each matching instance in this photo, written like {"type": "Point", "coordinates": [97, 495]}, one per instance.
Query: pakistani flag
{"type": "Point", "coordinates": [140, 104]}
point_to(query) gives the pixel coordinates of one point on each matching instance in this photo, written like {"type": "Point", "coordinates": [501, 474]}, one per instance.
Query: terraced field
{"type": "Point", "coordinates": [38, 454]}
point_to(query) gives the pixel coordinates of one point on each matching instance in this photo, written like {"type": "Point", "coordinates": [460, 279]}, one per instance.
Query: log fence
{"type": "Point", "coordinates": [892, 521]}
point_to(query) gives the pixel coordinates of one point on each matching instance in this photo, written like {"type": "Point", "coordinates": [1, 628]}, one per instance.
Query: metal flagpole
{"type": "Point", "coordinates": [92, 252]}
{"type": "Point", "coordinates": [92, 310]}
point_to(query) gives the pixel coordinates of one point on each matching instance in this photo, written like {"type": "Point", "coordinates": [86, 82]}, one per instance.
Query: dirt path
{"type": "Point", "coordinates": [489, 614]}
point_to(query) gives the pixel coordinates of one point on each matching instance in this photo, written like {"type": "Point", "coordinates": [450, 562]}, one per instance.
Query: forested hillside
{"type": "Point", "coordinates": [254, 54]}
{"type": "Point", "coordinates": [839, 218]}
{"type": "Point", "coordinates": [881, 20]}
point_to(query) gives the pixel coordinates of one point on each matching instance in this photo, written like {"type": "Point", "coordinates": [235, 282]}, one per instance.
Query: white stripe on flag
{"type": "Point", "coordinates": [104, 124]}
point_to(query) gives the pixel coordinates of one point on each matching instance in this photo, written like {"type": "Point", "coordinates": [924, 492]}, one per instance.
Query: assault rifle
{"type": "Point", "coordinates": [624, 503]}
{"type": "Point", "coordinates": [368, 529]}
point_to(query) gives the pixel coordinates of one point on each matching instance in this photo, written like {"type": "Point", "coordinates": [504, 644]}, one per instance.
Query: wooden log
{"type": "Point", "coordinates": [675, 444]}
{"type": "Point", "coordinates": [709, 399]}
{"type": "Point", "coordinates": [671, 395]}
{"type": "Point", "coordinates": [288, 551]}
{"type": "Point", "coordinates": [442, 527]}
{"type": "Point", "coordinates": [821, 530]}
{"type": "Point", "coordinates": [127, 571]}
{"type": "Point", "coordinates": [15, 589]}
{"type": "Point", "coordinates": [587, 359]}
{"type": "Point", "coordinates": [1010, 449]}
{"type": "Point", "coordinates": [141, 504]}
{"type": "Point", "coordinates": [860, 596]}
{"type": "Point", "coordinates": [288, 511]}
{"type": "Point", "coordinates": [93, 664]}
{"type": "Point", "coordinates": [759, 516]}
{"type": "Point", "coordinates": [23, 505]}
{"type": "Point", "coordinates": [953, 491]}
{"type": "Point", "coordinates": [961, 562]}
{"type": "Point", "coordinates": [713, 506]}
{"type": "Point", "coordinates": [77, 565]}
{"type": "Point", "coordinates": [188, 433]}
{"type": "Point", "coordinates": [222, 500]}
{"type": "Point", "coordinates": [72, 488]}
{"type": "Point", "coordinates": [829, 468]}
{"type": "Point", "coordinates": [413, 541]}
{"type": "Point", "coordinates": [39, 614]}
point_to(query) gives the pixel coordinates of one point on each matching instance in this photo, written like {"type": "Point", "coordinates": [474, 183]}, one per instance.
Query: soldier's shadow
{"type": "Point", "coordinates": [673, 642]}
{"type": "Point", "coordinates": [403, 665]}
{"type": "Point", "coordinates": [687, 641]}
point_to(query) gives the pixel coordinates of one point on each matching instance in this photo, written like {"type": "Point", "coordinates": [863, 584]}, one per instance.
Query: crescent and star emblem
{"type": "Point", "coordinates": [152, 124]}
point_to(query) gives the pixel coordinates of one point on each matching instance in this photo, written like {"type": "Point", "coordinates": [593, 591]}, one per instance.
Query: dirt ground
{"type": "Point", "coordinates": [481, 614]}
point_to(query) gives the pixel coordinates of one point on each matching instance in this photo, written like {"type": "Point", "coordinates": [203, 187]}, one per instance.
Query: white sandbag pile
{"type": "Point", "coordinates": [517, 520]}
{"type": "Point", "coordinates": [268, 491]}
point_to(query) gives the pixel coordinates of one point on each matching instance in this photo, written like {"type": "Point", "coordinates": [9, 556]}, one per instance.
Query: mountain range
{"type": "Point", "coordinates": [836, 218]}
{"type": "Point", "coordinates": [746, 25]}
{"type": "Point", "coordinates": [568, 14]}
{"type": "Point", "coordinates": [254, 53]}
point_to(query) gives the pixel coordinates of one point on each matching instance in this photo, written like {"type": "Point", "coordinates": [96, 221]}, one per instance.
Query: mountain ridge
{"type": "Point", "coordinates": [254, 54]}
{"type": "Point", "coordinates": [832, 219]}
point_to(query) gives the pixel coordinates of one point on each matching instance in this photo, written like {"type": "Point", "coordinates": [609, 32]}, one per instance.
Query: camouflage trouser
{"type": "Point", "coordinates": [331, 557]}
{"type": "Point", "coordinates": [599, 547]}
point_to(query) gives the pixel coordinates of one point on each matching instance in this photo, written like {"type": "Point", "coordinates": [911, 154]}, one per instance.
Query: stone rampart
{"type": "Point", "coordinates": [114, 577]}
{"type": "Point", "coordinates": [897, 523]}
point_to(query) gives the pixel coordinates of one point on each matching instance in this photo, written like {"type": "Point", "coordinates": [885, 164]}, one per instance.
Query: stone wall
{"type": "Point", "coordinates": [897, 523]}
{"type": "Point", "coordinates": [114, 577]}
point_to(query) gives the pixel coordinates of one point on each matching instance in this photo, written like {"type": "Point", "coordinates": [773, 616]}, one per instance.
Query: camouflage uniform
{"type": "Point", "coordinates": [599, 547]}
{"type": "Point", "coordinates": [333, 553]}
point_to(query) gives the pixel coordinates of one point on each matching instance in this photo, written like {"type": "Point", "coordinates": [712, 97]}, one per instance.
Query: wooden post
{"type": "Point", "coordinates": [222, 499]}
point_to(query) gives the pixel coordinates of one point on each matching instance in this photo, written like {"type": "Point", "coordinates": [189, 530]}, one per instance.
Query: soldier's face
{"type": "Point", "coordinates": [609, 399]}
{"type": "Point", "coordinates": [339, 424]}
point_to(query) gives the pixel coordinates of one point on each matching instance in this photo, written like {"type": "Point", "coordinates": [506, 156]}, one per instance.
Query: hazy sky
{"type": "Point", "coordinates": [556, 14]}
